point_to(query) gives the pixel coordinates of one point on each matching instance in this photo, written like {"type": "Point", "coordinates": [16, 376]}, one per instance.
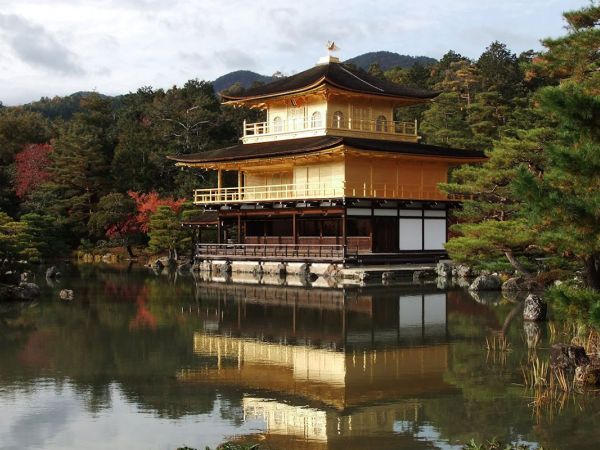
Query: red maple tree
{"type": "Point", "coordinates": [31, 168]}
{"type": "Point", "coordinates": [147, 205]}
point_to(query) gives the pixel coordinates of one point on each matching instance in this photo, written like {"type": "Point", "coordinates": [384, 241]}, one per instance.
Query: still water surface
{"type": "Point", "coordinates": [140, 361]}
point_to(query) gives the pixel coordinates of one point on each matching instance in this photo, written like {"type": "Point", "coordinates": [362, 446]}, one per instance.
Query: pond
{"type": "Point", "coordinates": [145, 361]}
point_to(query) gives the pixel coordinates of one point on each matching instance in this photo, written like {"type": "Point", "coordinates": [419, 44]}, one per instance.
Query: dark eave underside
{"type": "Point", "coordinates": [335, 74]}
{"type": "Point", "coordinates": [313, 144]}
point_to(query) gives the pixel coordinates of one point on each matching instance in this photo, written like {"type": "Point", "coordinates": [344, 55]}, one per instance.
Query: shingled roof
{"type": "Point", "coordinates": [334, 74]}
{"type": "Point", "coordinates": [313, 144]}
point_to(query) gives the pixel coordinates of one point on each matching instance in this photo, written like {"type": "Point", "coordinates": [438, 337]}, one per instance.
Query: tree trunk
{"type": "Point", "coordinates": [516, 264]}
{"type": "Point", "coordinates": [592, 271]}
{"type": "Point", "coordinates": [129, 251]}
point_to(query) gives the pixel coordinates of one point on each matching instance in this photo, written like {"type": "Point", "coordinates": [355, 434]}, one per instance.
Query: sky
{"type": "Point", "coordinates": [57, 47]}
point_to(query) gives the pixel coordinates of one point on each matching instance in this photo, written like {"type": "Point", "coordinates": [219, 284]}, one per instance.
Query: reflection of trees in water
{"type": "Point", "coordinates": [99, 340]}
{"type": "Point", "coordinates": [492, 400]}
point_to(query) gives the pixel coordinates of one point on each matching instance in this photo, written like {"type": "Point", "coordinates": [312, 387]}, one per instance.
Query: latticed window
{"type": "Point", "coordinates": [338, 119]}
{"type": "Point", "coordinates": [277, 124]}
{"type": "Point", "coordinates": [381, 124]}
{"type": "Point", "coordinates": [315, 120]}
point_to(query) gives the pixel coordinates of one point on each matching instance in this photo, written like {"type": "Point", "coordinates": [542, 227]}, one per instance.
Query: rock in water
{"type": "Point", "coordinates": [418, 276]}
{"type": "Point", "coordinates": [444, 269]}
{"type": "Point", "coordinates": [486, 283]}
{"type": "Point", "coordinates": [535, 308]}
{"type": "Point", "coordinates": [66, 294]}
{"type": "Point", "coordinates": [533, 333]}
{"type": "Point", "coordinates": [568, 357]}
{"type": "Point", "coordinates": [463, 271]}
{"type": "Point", "coordinates": [588, 375]}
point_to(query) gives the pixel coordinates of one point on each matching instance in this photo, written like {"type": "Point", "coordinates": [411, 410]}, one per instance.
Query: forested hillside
{"type": "Point", "coordinates": [389, 60]}
{"type": "Point", "coordinates": [243, 78]}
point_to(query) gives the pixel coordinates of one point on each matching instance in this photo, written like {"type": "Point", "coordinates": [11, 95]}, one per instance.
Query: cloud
{"type": "Point", "coordinates": [36, 46]}
{"type": "Point", "coordinates": [234, 59]}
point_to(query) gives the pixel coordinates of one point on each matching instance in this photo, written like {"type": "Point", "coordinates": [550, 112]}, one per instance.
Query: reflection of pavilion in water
{"type": "Point", "coordinates": [359, 358]}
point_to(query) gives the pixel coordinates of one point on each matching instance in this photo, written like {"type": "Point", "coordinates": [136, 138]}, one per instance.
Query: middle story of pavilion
{"type": "Point", "coordinates": [371, 197]}
{"type": "Point", "coordinates": [330, 175]}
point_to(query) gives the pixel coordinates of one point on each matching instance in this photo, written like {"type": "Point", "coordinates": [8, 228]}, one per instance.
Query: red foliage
{"type": "Point", "coordinates": [147, 205]}
{"type": "Point", "coordinates": [143, 318]}
{"type": "Point", "coordinates": [121, 229]}
{"type": "Point", "coordinates": [31, 168]}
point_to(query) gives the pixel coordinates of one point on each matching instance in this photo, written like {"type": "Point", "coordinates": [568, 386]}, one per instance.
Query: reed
{"type": "Point", "coordinates": [497, 343]}
{"type": "Point", "coordinates": [536, 375]}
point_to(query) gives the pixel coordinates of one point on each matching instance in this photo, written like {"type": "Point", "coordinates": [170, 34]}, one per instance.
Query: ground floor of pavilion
{"type": "Point", "coordinates": [359, 230]}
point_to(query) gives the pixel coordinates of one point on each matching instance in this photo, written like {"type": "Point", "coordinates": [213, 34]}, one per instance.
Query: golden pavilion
{"type": "Point", "coordinates": [330, 175]}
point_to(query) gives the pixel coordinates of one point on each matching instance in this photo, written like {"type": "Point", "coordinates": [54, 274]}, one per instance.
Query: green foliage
{"type": "Point", "coordinates": [491, 224]}
{"type": "Point", "coordinates": [500, 71]}
{"type": "Point", "coordinates": [444, 123]}
{"type": "Point", "coordinates": [29, 238]}
{"type": "Point", "coordinates": [165, 231]}
{"type": "Point", "coordinates": [564, 204]}
{"type": "Point", "coordinates": [388, 60]}
{"type": "Point", "coordinates": [111, 215]}
{"type": "Point", "coordinates": [574, 303]}
{"type": "Point", "coordinates": [486, 243]}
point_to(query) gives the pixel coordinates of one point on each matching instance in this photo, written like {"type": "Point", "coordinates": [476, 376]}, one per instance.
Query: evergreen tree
{"type": "Point", "coordinates": [78, 177]}
{"type": "Point", "coordinates": [444, 123]}
{"type": "Point", "coordinates": [114, 218]}
{"type": "Point", "coordinates": [492, 228]}
{"type": "Point", "coordinates": [39, 237]}
{"type": "Point", "coordinates": [564, 202]}
{"type": "Point", "coordinates": [375, 70]}
{"type": "Point", "coordinates": [165, 231]}
{"type": "Point", "coordinates": [486, 117]}
{"type": "Point", "coordinates": [500, 71]}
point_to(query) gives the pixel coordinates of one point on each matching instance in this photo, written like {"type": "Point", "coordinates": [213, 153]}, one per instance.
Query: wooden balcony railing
{"type": "Point", "coordinates": [275, 251]}
{"type": "Point", "coordinates": [315, 191]}
{"type": "Point", "coordinates": [270, 192]}
{"type": "Point", "coordinates": [277, 127]}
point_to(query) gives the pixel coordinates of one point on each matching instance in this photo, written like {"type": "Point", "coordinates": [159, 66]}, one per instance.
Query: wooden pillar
{"type": "Point", "coordinates": [194, 241]}
{"type": "Point", "coordinates": [219, 180]}
{"type": "Point", "coordinates": [240, 183]}
{"type": "Point", "coordinates": [294, 229]}
{"type": "Point", "coordinates": [219, 231]}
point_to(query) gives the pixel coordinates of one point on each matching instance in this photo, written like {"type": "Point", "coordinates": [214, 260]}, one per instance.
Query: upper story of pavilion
{"type": "Point", "coordinates": [330, 133]}
{"type": "Point", "coordinates": [330, 99]}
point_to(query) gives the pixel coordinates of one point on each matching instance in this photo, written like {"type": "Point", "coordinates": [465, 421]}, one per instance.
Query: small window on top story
{"type": "Point", "coordinates": [315, 120]}
{"type": "Point", "coordinates": [338, 119]}
{"type": "Point", "coordinates": [277, 124]}
{"type": "Point", "coordinates": [381, 124]}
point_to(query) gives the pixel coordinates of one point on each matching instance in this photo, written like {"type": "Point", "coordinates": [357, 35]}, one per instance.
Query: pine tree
{"type": "Point", "coordinates": [500, 71]}
{"type": "Point", "coordinates": [78, 177]}
{"type": "Point", "coordinates": [564, 202]}
{"type": "Point", "coordinates": [444, 123]}
{"type": "Point", "coordinates": [492, 229]}
{"type": "Point", "coordinates": [165, 231]}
